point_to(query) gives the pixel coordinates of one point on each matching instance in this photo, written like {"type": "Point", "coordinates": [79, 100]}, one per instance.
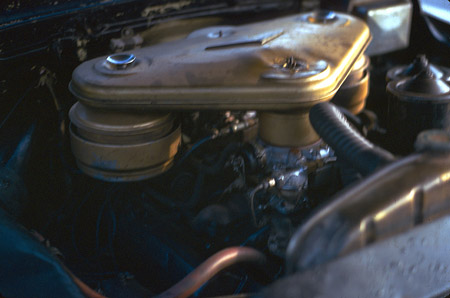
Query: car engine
{"type": "Point", "coordinates": [225, 148]}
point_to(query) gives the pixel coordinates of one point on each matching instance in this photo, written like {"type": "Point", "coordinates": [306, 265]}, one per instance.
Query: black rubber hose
{"type": "Point", "coordinates": [348, 144]}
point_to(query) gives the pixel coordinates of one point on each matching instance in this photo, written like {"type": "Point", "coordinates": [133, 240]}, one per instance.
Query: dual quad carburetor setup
{"type": "Point", "coordinates": [278, 154]}
{"type": "Point", "coordinates": [281, 146]}
{"type": "Point", "coordinates": [125, 125]}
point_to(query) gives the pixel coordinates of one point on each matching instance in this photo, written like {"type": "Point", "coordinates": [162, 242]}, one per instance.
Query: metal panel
{"type": "Point", "coordinates": [389, 23]}
{"type": "Point", "coordinates": [414, 264]}
{"type": "Point", "coordinates": [290, 62]}
{"type": "Point", "coordinates": [394, 199]}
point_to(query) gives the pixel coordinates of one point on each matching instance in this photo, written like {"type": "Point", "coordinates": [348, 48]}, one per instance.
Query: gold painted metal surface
{"type": "Point", "coordinates": [103, 125]}
{"type": "Point", "coordinates": [285, 63]}
{"type": "Point", "coordinates": [287, 129]}
{"type": "Point", "coordinates": [123, 146]}
{"type": "Point", "coordinates": [353, 93]}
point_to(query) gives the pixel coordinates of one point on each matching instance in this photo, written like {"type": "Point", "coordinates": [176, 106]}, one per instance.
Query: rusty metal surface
{"type": "Point", "coordinates": [413, 264]}
{"type": "Point", "coordinates": [394, 199]}
{"type": "Point", "coordinates": [290, 62]}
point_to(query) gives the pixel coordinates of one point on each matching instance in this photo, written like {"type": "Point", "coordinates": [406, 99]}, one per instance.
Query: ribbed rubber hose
{"type": "Point", "coordinates": [348, 144]}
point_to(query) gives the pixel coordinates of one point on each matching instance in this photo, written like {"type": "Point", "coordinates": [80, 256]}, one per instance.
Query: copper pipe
{"type": "Point", "coordinates": [85, 289]}
{"type": "Point", "coordinates": [208, 269]}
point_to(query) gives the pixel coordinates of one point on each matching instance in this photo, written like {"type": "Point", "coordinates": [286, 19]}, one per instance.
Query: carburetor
{"type": "Point", "coordinates": [280, 68]}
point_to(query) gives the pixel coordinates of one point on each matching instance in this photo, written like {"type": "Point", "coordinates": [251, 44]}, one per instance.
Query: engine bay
{"type": "Point", "coordinates": [235, 149]}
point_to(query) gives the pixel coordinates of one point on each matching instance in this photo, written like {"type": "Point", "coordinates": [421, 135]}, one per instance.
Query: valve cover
{"type": "Point", "coordinates": [285, 63]}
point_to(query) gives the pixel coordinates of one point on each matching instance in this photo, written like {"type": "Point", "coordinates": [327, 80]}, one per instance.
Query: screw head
{"type": "Point", "coordinates": [220, 32]}
{"type": "Point", "coordinates": [120, 61]}
{"type": "Point", "coordinates": [293, 68]}
{"type": "Point", "coordinates": [322, 17]}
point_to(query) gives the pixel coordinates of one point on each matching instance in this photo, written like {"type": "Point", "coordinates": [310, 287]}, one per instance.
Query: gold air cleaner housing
{"type": "Point", "coordinates": [281, 67]}
{"type": "Point", "coordinates": [123, 146]}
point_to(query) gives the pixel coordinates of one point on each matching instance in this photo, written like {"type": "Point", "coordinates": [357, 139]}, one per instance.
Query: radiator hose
{"type": "Point", "coordinates": [348, 144]}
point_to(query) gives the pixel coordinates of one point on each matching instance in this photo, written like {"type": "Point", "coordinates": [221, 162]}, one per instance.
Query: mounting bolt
{"type": "Point", "coordinates": [120, 61]}
{"type": "Point", "coordinates": [216, 34]}
{"type": "Point", "coordinates": [322, 17]}
{"type": "Point", "coordinates": [220, 32]}
{"type": "Point", "coordinates": [293, 64]}
{"type": "Point", "coordinates": [292, 68]}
